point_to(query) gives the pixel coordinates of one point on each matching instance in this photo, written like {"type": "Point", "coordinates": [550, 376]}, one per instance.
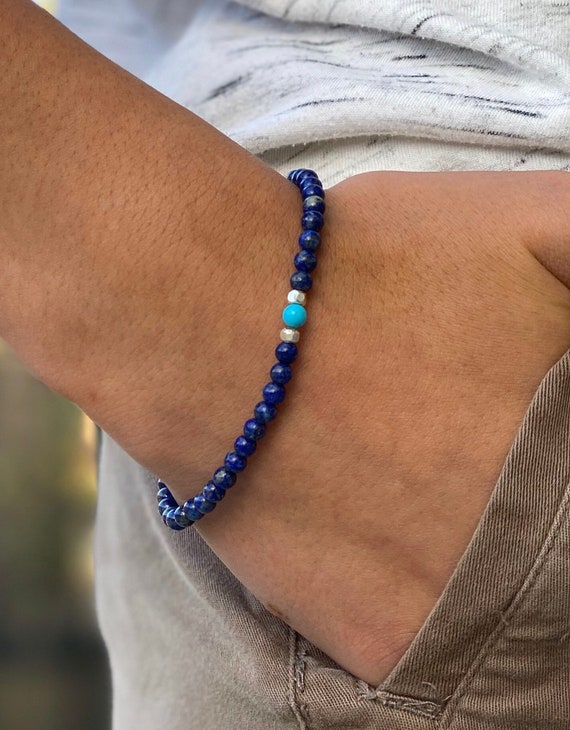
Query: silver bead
{"type": "Point", "coordinates": [296, 296]}
{"type": "Point", "coordinates": [289, 335]}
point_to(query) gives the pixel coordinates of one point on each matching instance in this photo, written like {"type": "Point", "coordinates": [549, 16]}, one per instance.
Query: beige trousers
{"type": "Point", "coordinates": [192, 649]}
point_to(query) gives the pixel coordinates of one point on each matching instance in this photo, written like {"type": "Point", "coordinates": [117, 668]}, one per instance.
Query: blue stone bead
{"type": "Point", "coordinates": [264, 412]}
{"type": "Point", "coordinates": [165, 505]}
{"type": "Point", "coordinates": [163, 493]}
{"type": "Point", "coordinates": [295, 315]}
{"type": "Point", "coordinates": [308, 190]}
{"type": "Point", "coordinates": [235, 461]}
{"type": "Point", "coordinates": [297, 175]}
{"type": "Point", "coordinates": [213, 493]}
{"type": "Point", "coordinates": [244, 446]}
{"type": "Point", "coordinates": [202, 504]}
{"type": "Point", "coordinates": [281, 374]}
{"type": "Point", "coordinates": [224, 477]}
{"type": "Point", "coordinates": [305, 261]}
{"type": "Point", "coordinates": [191, 511]}
{"type": "Point", "coordinates": [312, 220]}
{"type": "Point", "coordinates": [181, 518]}
{"type": "Point", "coordinates": [253, 429]}
{"type": "Point", "coordinates": [310, 240]}
{"type": "Point", "coordinates": [308, 182]}
{"type": "Point", "coordinates": [286, 352]}
{"type": "Point", "coordinates": [169, 521]}
{"type": "Point", "coordinates": [273, 394]}
{"type": "Point", "coordinates": [314, 202]}
{"type": "Point", "coordinates": [301, 280]}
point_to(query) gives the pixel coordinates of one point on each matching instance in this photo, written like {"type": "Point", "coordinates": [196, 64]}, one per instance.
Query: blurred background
{"type": "Point", "coordinates": [53, 666]}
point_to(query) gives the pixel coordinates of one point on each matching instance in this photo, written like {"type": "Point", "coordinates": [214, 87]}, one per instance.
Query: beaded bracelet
{"type": "Point", "coordinates": [176, 516]}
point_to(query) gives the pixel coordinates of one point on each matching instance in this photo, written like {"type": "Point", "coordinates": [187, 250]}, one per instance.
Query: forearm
{"type": "Point", "coordinates": [92, 160]}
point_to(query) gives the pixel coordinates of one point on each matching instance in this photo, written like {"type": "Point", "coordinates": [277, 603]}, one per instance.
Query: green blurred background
{"type": "Point", "coordinates": [53, 667]}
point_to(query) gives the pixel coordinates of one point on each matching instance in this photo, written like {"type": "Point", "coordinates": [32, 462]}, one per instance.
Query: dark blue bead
{"type": "Point", "coordinates": [163, 493]}
{"type": "Point", "coordinates": [253, 429]}
{"type": "Point", "coordinates": [273, 394]}
{"type": "Point", "coordinates": [305, 260]}
{"type": "Point", "coordinates": [263, 412]}
{"type": "Point", "coordinates": [312, 220]}
{"type": "Point", "coordinates": [313, 202]}
{"type": "Point", "coordinates": [309, 189]}
{"type": "Point", "coordinates": [244, 446]}
{"type": "Point", "coordinates": [213, 493]}
{"type": "Point", "coordinates": [235, 461]}
{"type": "Point", "coordinates": [169, 521]}
{"type": "Point", "coordinates": [224, 477]}
{"type": "Point", "coordinates": [165, 505]}
{"type": "Point", "coordinates": [301, 280]}
{"type": "Point", "coordinates": [281, 373]}
{"type": "Point", "coordinates": [202, 504]}
{"type": "Point", "coordinates": [286, 352]}
{"type": "Point", "coordinates": [297, 175]}
{"type": "Point", "coordinates": [310, 240]}
{"type": "Point", "coordinates": [308, 182]}
{"type": "Point", "coordinates": [191, 511]}
{"type": "Point", "coordinates": [181, 518]}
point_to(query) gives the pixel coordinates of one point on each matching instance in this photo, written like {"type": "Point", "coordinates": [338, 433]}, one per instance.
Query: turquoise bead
{"type": "Point", "coordinates": [294, 315]}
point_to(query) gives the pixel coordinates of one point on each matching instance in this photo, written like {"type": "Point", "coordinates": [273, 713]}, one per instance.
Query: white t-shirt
{"type": "Point", "coordinates": [490, 72]}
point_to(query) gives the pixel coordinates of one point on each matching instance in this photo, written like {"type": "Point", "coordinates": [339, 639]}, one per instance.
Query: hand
{"type": "Point", "coordinates": [433, 319]}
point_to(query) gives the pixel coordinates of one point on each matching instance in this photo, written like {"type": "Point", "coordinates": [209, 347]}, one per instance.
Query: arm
{"type": "Point", "coordinates": [97, 166]}
{"type": "Point", "coordinates": [130, 231]}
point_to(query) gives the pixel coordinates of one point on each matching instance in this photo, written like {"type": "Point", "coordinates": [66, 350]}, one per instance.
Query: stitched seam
{"type": "Point", "coordinates": [425, 708]}
{"type": "Point", "coordinates": [516, 603]}
{"type": "Point", "coordinates": [296, 679]}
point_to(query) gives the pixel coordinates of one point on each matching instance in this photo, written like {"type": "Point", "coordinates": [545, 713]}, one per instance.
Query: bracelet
{"type": "Point", "coordinates": [178, 517]}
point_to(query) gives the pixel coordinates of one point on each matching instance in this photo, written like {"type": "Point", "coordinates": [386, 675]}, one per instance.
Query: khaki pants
{"type": "Point", "coordinates": [192, 649]}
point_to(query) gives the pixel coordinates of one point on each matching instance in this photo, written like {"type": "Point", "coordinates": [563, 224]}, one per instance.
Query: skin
{"type": "Point", "coordinates": [145, 260]}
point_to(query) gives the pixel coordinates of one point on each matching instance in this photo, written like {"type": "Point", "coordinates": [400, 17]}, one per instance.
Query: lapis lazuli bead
{"type": "Point", "coordinates": [253, 429]}
{"type": "Point", "coordinates": [310, 240]}
{"type": "Point", "coordinates": [264, 412]}
{"type": "Point", "coordinates": [166, 504]}
{"type": "Point", "coordinates": [273, 393]}
{"type": "Point", "coordinates": [280, 373]}
{"type": "Point", "coordinates": [308, 190]}
{"type": "Point", "coordinates": [235, 461]}
{"type": "Point", "coordinates": [295, 315]}
{"type": "Point", "coordinates": [169, 520]}
{"type": "Point", "coordinates": [307, 183]}
{"type": "Point", "coordinates": [244, 446]}
{"type": "Point", "coordinates": [301, 280]}
{"type": "Point", "coordinates": [224, 477]}
{"type": "Point", "coordinates": [297, 176]}
{"type": "Point", "coordinates": [202, 504]}
{"type": "Point", "coordinates": [213, 493]}
{"type": "Point", "coordinates": [163, 493]}
{"type": "Point", "coordinates": [312, 220]}
{"type": "Point", "coordinates": [191, 511]}
{"type": "Point", "coordinates": [314, 202]}
{"type": "Point", "coordinates": [286, 352]}
{"type": "Point", "coordinates": [305, 260]}
{"type": "Point", "coordinates": [181, 518]}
